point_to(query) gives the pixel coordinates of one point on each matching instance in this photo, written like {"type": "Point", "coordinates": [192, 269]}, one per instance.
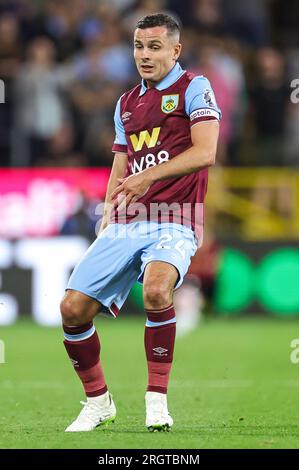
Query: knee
{"type": "Point", "coordinates": [70, 313]}
{"type": "Point", "coordinates": [156, 296]}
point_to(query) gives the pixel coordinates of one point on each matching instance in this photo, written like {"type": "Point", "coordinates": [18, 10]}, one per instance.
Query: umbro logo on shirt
{"type": "Point", "coordinates": [126, 116]}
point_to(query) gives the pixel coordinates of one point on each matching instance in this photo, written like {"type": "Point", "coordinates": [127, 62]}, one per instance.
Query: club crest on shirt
{"type": "Point", "coordinates": [169, 103]}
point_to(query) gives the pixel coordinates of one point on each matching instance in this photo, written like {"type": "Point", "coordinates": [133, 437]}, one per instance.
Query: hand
{"type": "Point", "coordinates": [130, 189]}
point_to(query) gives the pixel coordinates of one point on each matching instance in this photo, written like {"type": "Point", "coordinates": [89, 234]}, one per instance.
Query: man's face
{"type": "Point", "coordinates": [155, 53]}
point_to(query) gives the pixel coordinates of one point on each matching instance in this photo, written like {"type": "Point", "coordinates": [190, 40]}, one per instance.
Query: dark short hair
{"type": "Point", "coordinates": [159, 19]}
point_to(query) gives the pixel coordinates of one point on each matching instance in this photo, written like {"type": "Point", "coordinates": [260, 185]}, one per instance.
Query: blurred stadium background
{"type": "Point", "coordinates": [63, 66]}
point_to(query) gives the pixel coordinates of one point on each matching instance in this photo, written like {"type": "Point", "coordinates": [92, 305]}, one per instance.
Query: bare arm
{"type": "Point", "coordinates": [204, 136]}
{"type": "Point", "coordinates": [118, 171]}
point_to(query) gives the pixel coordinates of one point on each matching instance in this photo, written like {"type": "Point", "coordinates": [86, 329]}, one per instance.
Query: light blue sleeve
{"type": "Point", "coordinates": [120, 136]}
{"type": "Point", "coordinates": [200, 96]}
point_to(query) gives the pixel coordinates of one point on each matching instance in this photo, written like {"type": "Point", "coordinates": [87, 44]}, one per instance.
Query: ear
{"type": "Point", "coordinates": [177, 51]}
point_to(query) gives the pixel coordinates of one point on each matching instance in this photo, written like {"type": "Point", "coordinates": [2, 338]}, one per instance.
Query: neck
{"type": "Point", "coordinates": [150, 84]}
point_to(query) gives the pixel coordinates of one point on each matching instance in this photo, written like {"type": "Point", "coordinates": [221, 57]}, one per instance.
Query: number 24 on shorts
{"type": "Point", "coordinates": [164, 239]}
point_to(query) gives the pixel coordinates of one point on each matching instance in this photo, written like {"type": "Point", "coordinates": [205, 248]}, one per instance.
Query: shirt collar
{"type": "Point", "coordinates": [167, 81]}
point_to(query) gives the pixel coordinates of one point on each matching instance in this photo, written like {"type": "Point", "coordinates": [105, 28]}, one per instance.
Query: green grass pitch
{"type": "Point", "coordinates": [232, 386]}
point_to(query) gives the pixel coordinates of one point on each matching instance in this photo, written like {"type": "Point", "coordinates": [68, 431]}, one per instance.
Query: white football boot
{"type": "Point", "coordinates": [157, 416]}
{"type": "Point", "coordinates": [96, 412]}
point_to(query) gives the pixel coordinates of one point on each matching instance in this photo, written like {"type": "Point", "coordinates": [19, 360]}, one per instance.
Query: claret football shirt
{"type": "Point", "coordinates": [152, 126]}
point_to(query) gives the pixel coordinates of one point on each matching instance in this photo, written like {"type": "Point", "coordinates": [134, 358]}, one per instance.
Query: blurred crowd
{"type": "Point", "coordinates": [65, 63]}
